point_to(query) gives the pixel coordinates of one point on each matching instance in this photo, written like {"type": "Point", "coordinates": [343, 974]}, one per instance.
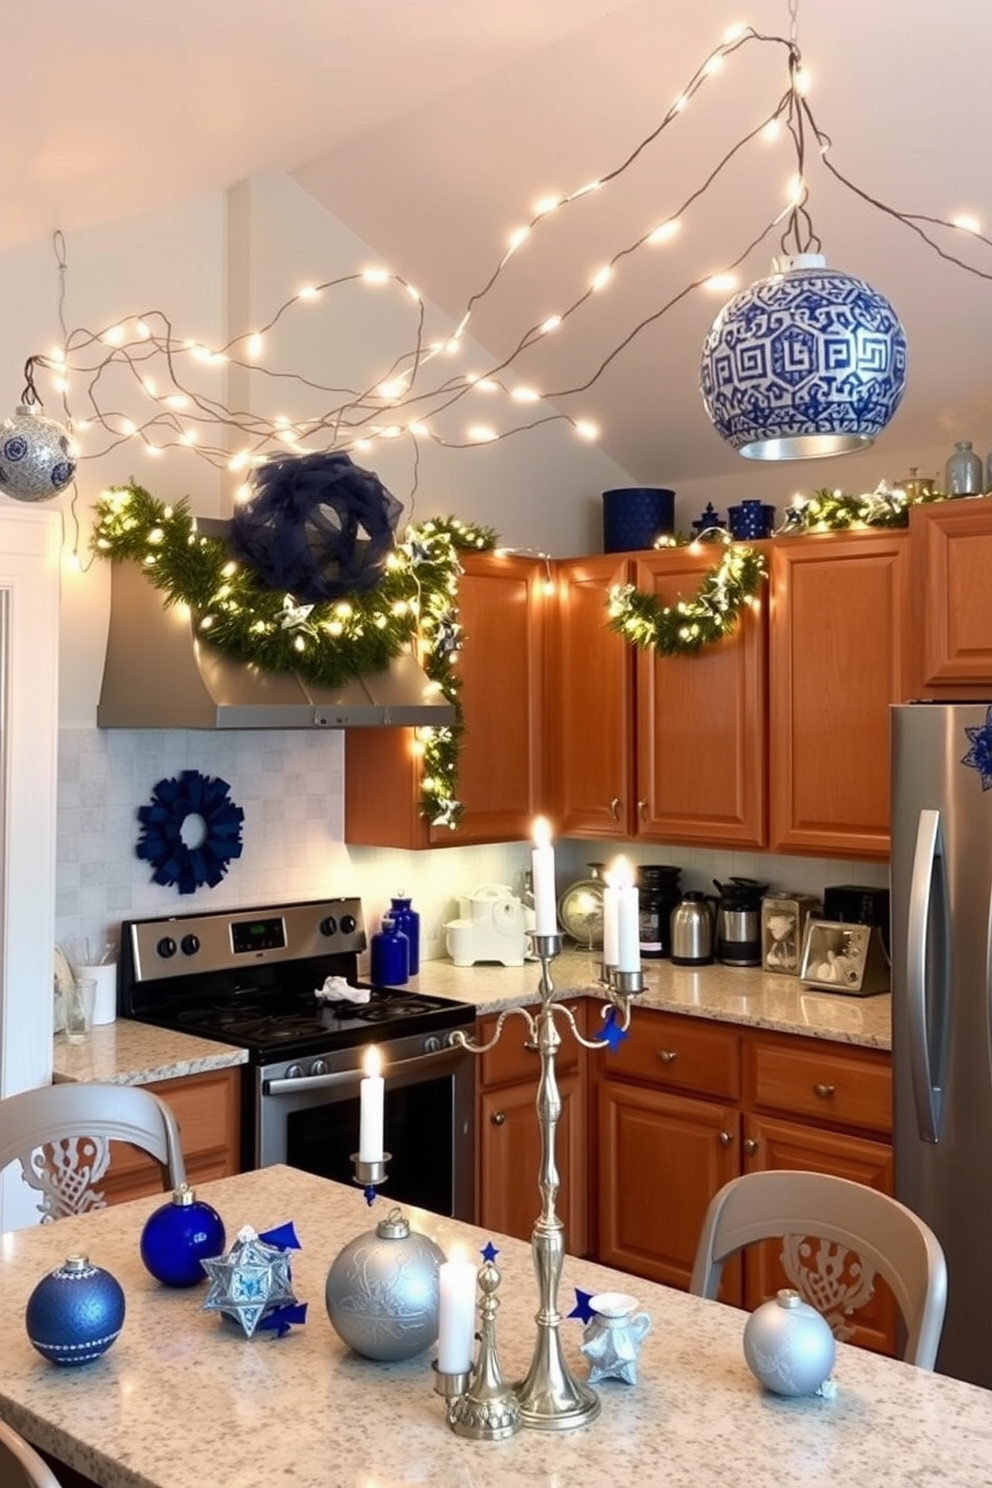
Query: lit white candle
{"type": "Point", "coordinates": [542, 861]}
{"type": "Point", "coordinates": [456, 1318]}
{"type": "Point", "coordinates": [611, 923]}
{"type": "Point", "coordinates": [628, 918]}
{"type": "Point", "coordinates": [372, 1097]}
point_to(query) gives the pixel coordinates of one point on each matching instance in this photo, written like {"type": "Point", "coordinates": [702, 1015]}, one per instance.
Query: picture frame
{"type": "Point", "coordinates": [845, 958]}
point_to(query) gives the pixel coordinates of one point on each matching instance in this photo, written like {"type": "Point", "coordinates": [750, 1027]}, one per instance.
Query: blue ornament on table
{"type": "Point", "coordinates": [383, 1291]}
{"type": "Point", "coordinates": [316, 525]}
{"type": "Point", "coordinates": [179, 1236]}
{"type": "Point", "coordinates": [788, 1345]}
{"type": "Point", "coordinates": [35, 462]}
{"type": "Point", "coordinates": [75, 1312]}
{"type": "Point", "coordinates": [252, 1285]}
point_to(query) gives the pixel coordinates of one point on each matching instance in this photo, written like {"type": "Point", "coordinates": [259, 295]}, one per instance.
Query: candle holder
{"type": "Point", "coordinates": [368, 1175]}
{"type": "Point", "coordinates": [481, 1405]}
{"type": "Point", "coordinates": [549, 1397]}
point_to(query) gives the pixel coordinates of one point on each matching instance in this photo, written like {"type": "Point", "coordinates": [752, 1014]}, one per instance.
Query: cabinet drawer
{"type": "Point", "coordinates": [822, 1082]}
{"type": "Point", "coordinates": [679, 1053]}
{"type": "Point", "coordinates": [512, 1060]}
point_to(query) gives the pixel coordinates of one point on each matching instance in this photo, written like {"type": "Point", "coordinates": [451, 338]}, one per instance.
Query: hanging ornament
{"type": "Point", "coordinates": [35, 463]}
{"type": "Point", "coordinates": [253, 1284]}
{"type": "Point", "coordinates": [806, 363]}
{"type": "Point", "coordinates": [75, 1312]}
{"type": "Point", "coordinates": [382, 1291]}
{"type": "Point", "coordinates": [179, 1236]}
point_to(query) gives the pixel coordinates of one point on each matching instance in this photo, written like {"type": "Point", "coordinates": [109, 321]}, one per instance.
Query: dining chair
{"type": "Point", "coordinates": [61, 1136]}
{"type": "Point", "coordinates": [20, 1465]}
{"type": "Point", "coordinates": [860, 1232]}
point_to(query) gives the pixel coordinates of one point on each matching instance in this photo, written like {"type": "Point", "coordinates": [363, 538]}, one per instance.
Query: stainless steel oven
{"type": "Point", "coordinates": [254, 979]}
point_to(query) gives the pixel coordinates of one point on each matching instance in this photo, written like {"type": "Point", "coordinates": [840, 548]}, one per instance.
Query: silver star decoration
{"type": "Point", "coordinates": [611, 1351]}
{"type": "Point", "coordinates": [294, 616]}
{"type": "Point", "coordinates": [251, 1280]}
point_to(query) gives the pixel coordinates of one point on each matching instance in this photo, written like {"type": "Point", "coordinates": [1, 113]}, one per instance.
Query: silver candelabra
{"type": "Point", "coordinates": [549, 1397]}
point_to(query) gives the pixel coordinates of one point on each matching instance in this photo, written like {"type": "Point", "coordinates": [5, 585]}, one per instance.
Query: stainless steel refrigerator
{"type": "Point", "coordinates": [941, 881]}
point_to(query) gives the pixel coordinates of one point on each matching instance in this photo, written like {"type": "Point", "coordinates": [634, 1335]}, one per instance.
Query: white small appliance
{"type": "Point", "coordinates": [492, 925]}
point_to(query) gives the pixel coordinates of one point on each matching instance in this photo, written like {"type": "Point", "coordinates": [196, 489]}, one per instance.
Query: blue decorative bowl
{"type": "Point", "coordinates": [806, 363]}
{"type": "Point", "coordinates": [75, 1313]}
{"type": "Point", "coordinates": [179, 1236]}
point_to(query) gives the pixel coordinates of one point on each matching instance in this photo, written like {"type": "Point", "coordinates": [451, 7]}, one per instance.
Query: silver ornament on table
{"type": "Point", "coordinates": [383, 1290]}
{"type": "Point", "coordinates": [35, 462]}
{"type": "Point", "coordinates": [788, 1346]}
{"type": "Point", "coordinates": [612, 1337]}
{"type": "Point", "coordinates": [253, 1285]}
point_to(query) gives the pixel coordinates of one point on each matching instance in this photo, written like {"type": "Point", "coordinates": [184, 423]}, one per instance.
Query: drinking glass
{"type": "Point", "coordinates": [79, 1002]}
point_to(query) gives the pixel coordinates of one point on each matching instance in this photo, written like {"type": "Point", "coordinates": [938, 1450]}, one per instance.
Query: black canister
{"type": "Point", "coordinates": [659, 893]}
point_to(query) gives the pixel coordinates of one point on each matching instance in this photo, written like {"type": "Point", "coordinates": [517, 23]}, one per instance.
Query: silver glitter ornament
{"type": "Point", "coordinates": [251, 1282]}
{"type": "Point", "coordinates": [35, 463]}
{"type": "Point", "coordinates": [788, 1346]}
{"type": "Point", "coordinates": [382, 1291]}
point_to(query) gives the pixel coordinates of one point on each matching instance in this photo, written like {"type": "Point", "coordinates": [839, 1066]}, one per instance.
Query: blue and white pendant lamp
{"type": "Point", "coordinates": [806, 363]}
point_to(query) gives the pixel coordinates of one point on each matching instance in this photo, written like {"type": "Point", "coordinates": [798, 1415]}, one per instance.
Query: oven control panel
{"type": "Point", "coordinates": [179, 945]}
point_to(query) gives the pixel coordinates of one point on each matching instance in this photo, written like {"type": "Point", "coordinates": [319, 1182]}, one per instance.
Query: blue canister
{"type": "Point", "coordinates": [75, 1312]}
{"type": "Point", "coordinates": [635, 516]}
{"type": "Point", "coordinates": [389, 964]}
{"type": "Point", "coordinates": [751, 520]}
{"type": "Point", "coordinates": [408, 921]}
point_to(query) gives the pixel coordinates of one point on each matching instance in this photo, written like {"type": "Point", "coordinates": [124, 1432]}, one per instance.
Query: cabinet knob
{"type": "Point", "coordinates": [642, 809]}
{"type": "Point", "coordinates": [615, 808]}
{"type": "Point", "coordinates": [667, 1055]}
{"type": "Point", "coordinates": [823, 1091]}
{"type": "Point", "coordinates": [498, 1117]}
{"type": "Point", "coordinates": [725, 1139]}
{"type": "Point", "coordinates": [750, 1145]}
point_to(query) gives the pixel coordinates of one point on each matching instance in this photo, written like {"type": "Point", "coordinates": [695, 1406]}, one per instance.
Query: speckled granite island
{"type": "Point", "coordinates": [183, 1399]}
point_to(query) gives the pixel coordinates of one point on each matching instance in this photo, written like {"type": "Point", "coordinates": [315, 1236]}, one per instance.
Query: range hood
{"type": "Point", "coordinates": [158, 674]}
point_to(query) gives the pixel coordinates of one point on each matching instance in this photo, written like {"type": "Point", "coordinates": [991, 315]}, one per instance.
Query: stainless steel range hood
{"type": "Point", "coordinates": [158, 674]}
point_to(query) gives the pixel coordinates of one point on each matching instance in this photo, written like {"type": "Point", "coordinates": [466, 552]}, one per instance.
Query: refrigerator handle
{"type": "Point", "coordinates": [926, 1095]}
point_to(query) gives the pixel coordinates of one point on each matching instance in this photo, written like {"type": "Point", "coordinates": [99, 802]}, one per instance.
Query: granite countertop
{"type": "Point", "coordinates": [129, 1053]}
{"type": "Point", "coordinates": [730, 994]}
{"type": "Point", "coordinates": [183, 1398]}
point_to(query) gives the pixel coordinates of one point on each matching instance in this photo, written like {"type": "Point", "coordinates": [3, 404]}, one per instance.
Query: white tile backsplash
{"type": "Point", "coordinates": [290, 785]}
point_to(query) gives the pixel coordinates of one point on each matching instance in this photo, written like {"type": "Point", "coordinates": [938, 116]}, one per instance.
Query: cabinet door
{"type": "Point", "coordinates": [661, 1158]}
{"type": "Point", "coordinates": [589, 723]}
{"type": "Point", "coordinates": [838, 659]}
{"type": "Point", "coordinates": [701, 722]}
{"type": "Point", "coordinates": [951, 546]}
{"type": "Point", "coordinates": [772, 1144]}
{"type": "Point", "coordinates": [501, 603]}
{"type": "Point", "coordinates": [510, 1160]}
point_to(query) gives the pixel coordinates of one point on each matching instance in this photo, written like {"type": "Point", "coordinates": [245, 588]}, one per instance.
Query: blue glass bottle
{"type": "Point", "coordinates": [408, 921]}
{"type": "Point", "coordinates": [390, 955]}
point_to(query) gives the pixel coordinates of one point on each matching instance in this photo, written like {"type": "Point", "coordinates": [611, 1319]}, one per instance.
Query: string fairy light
{"type": "Point", "coordinates": [162, 368]}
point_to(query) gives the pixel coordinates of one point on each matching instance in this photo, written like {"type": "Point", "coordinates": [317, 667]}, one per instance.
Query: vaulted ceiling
{"type": "Point", "coordinates": [431, 128]}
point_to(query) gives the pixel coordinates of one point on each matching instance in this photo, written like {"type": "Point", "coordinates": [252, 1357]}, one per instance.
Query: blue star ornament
{"type": "Point", "coordinates": [250, 1283]}
{"type": "Point", "coordinates": [582, 1309]}
{"type": "Point", "coordinates": [979, 756]}
{"type": "Point", "coordinates": [612, 1032]}
{"type": "Point", "coordinates": [489, 1252]}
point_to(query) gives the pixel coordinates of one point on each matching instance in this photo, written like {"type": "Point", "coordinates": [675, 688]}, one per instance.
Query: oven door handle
{"type": "Point", "coordinates": [438, 1060]}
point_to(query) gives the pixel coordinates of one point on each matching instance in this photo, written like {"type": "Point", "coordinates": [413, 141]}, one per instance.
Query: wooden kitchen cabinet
{"type": "Point", "coordinates": [501, 604]}
{"type": "Point", "coordinates": [686, 1104]}
{"type": "Point", "coordinates": [668, 748]}
{"type": "Point", "coordinates": [951, 547]}
{"type": "Point", "coordinates": [208, 1109]}
{"type": "Point", "coordinates": [838, 657]}
{"type": "Point", "coordinates": [508, 1134]}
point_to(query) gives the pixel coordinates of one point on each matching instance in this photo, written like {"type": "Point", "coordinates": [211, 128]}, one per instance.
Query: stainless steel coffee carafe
{"type": "Point", "coordinates": [692, 931]}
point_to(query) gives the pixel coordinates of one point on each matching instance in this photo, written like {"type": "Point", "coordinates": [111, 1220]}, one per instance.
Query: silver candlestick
{"type": "Point", "coordinates": [550, 1398]}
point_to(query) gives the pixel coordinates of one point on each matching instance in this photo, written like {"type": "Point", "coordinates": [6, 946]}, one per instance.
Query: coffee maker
{"type": "Point", "coordinates": [738, 921]}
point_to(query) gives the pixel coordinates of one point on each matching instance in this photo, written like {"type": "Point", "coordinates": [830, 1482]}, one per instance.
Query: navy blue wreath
{"type": "Point", "coordinates": [316, 525]}
{"type": "Point", "coordinates": [161, 843]}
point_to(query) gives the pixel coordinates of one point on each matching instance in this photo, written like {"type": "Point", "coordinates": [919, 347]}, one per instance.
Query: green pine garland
{"type": "Point", "coordinates": [327, 642]}
{"type": "Point", "coordinates": [686, 627]}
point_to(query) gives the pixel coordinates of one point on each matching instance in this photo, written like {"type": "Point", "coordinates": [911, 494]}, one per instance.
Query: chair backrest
{"type": "Point", "coordinates": [61, 1135]}
{"type": "Point", "coordinates": [885, 1236]}
{"type": "Point", "coordinates": [20, 1465]}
